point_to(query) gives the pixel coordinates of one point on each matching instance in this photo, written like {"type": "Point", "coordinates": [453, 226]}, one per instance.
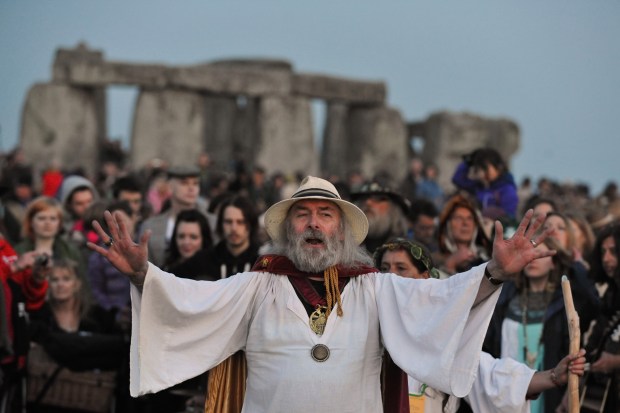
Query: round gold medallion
{"type": "Point", "coordinates": [320, 352]}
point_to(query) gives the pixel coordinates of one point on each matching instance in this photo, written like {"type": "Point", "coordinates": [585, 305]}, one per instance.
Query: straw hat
{"type": "Point", "coordinates": [316, 188]}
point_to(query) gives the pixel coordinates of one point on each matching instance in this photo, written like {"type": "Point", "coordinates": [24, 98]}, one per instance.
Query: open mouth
{"type": "Point", "coordinates": [314, 241]}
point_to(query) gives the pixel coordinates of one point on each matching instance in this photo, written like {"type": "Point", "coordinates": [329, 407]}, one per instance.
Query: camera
{"type": "Point", "coordinates": [42, 260]}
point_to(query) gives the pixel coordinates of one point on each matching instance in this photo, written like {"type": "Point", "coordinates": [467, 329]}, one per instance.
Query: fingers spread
{"type": "Point", "coordinates": [112, 224]}
{"type": "Point", "coordinates": [122, 226]}
{"type": "Point", "coordinates": [97, 248]}
{"type": "Point", "coordinates": [524, 222]}
{"type": "Point", "coordinates": [499, 232]}
{"type": "Point", "coordinates": [534, 226]}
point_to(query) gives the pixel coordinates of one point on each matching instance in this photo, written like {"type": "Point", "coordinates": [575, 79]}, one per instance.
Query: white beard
{"type": "Point", "coordinates": [311, 259]}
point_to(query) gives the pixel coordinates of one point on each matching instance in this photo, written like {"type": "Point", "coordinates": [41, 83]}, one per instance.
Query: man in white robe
{"type": "Point", "coordinates": [432, 329]}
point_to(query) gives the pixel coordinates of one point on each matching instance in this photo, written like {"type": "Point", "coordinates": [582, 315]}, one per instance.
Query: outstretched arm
{"type": "Point", "coordinates": [510, 256]}
{"type": "Point", "coordinates": [128, 257]}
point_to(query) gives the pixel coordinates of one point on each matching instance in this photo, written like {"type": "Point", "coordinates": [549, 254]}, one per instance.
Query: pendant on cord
{"type": "Point", "coordinates": [318, 319]}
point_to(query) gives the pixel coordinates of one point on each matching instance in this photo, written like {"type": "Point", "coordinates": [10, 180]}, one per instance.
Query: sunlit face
{"type": "Point", "coordinates": [185, 190]}
{"type": "Point", "coordinates": [234, 227]}
{"type": "Point", "coordinates": [188, 238]}
{"type": "Point", "coordinates": [560, 229]}
{"type": "Point", "coordinates": [541, 267]}
{"type": "Point", "coordinates": [610, 258]}
{"type": "Point", "coordinates": [63, 285]}
{"type": "Point", "coordinates": [462, 225]}
{"type": "Point", "coordinates": [80, 201]}
{"type": "Point", "coordinates": [399, 262]}
{"type": "Point", "coordinates": [46, 223]}
{"type": "Point", "coordinates": [322, 216]}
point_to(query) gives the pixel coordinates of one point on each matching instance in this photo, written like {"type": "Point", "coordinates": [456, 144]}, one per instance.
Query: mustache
{"type": "Point", "coordinates": [313, 233]}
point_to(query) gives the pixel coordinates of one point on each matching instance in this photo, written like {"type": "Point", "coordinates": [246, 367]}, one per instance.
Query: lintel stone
{"type": "Point", "coordinates": [333, 88]}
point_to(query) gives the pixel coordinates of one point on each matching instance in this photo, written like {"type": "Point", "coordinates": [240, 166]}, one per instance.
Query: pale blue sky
{"type": "Point", "coordinates": [552, 66]}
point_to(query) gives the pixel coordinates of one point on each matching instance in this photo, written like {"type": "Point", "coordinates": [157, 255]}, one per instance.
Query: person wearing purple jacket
{"type": "Point", "coordinates": [110, 288]}
{"type": "Point", "coordinates": [484, 173]}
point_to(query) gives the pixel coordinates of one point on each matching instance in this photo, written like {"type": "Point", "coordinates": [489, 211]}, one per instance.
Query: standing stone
{"type": "Point", "coordinates": [335, 143]}
{"type": "Point", "coordinates": [169, 125]}
{"type": "Point", "coordinates": [286, 141]}
{"type": "Point", "coordinates": [62, 123]}
{"type": "Point", "coordinates": [377, 142]}
{"type": "Point", "coordinates": [231, 130]}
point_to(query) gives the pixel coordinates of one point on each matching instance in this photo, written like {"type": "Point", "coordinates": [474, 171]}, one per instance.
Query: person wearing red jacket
{"type": "Point", "coordinates": [24, 287]}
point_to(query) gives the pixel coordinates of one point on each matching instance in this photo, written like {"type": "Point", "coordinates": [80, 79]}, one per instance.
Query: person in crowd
{"type": "Point", "coordinates": [74, 332]}
{"type": "Point", "coordinates": [76, 195]}
{"type": "Point", "coordinates": [541, 205]}
{"type": "Point", "coordinates": [258, 189]}
{"type": "Point", "coordinates": [501, 384]}
{"type": "Point", "coordinates": [386, 212]}
{"type": "Point", "coordinates": [41, 228]}
{"type": "Point", "coordinates": [529, 323]}
{"type": "Point", "coordinates": [158, 192]}
{"type": "Point", "coordinates": [428, 188]}
{"type": "Point", "coordinates": [603, 343]}
{"type": "Point", "coordinates": [11, 227]}
{"type": "Point", "coordinates": [561, 231]}
{"type": "Point", "coordinates": [410, 183]}
{"type": "Point", "coordinates": [584, 236]}
{"type": "Point", "coordinates": [298, 351]}
{"type": "Point", "coordinates": [423, 217]}
{"type": "Point", "coordinates": [110, 288]}
{"type": "Point", "coordinates": [484, 173]}
{"type": "Point", "coordinates": [21, 194]}
{"type": "Point", "coordinates": [24, 287]}
{"type": "Point", "coordinates": [127, 188]}
{"type": "Point", "coordinates": [463, 242]}
{"type": "Point", "coordinates": [184, 192]}
{"type": "Point", "coordinates": [237, 227]}
{"type": "Point", "coordinates": [51, 179]}
{"type": "Point", "coordinates": [191, 239]}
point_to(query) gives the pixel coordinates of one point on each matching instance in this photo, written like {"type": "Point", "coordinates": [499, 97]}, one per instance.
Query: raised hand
{"type": "Point", "coordinates": [128, 257]}
{"type": "Point", "coordinates": [512, 255]}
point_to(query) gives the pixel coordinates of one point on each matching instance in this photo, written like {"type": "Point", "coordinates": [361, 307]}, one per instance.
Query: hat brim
{"type": "Point", "coordinates": [276, 214]}
{"type": "Point", "coordinates": [402, 202]}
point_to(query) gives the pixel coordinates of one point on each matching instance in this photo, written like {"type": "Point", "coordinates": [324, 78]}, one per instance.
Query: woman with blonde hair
{"type": "Point", "coordinates": [42, 227]}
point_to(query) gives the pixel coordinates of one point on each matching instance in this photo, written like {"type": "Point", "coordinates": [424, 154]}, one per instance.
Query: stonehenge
{"type": "Point", "coordinates": [257, 111]}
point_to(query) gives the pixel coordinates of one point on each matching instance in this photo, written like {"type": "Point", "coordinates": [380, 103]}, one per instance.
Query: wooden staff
{"type": "Point", "coordinates": [575, 340]}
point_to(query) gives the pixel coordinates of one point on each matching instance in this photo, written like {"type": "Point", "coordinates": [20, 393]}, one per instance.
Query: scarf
{"type": "Point", "coordinates": [334, 278]}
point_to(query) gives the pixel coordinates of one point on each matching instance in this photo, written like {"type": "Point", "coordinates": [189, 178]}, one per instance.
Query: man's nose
{"type": "Point", "coordinates": [313, 221]}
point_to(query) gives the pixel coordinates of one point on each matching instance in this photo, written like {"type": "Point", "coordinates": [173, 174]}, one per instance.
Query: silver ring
{"type": "Point", "coordinates": [109, 242]}
{"type": "Point", "coordinates": [534, 243]}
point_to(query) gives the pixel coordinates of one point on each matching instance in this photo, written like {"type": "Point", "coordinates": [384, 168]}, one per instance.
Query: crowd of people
{"type": "Point", "coordinates": [200, 222]}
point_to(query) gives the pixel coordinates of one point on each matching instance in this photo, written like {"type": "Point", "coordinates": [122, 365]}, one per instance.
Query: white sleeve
{"type": "Point", "coordinates": [430, 328]}
{"type": "Point", "coordinates": [182, 328]}
{"type": "Point", "coordinates": [501, 386]}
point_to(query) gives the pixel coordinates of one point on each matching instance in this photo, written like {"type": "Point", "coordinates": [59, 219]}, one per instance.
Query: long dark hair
{"type": "Point", "coordinates": [597, 273]}
{"type": "Point", "coordinates": [247, 210]}
{"type": "Point", "coordinates": [190, 215]}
